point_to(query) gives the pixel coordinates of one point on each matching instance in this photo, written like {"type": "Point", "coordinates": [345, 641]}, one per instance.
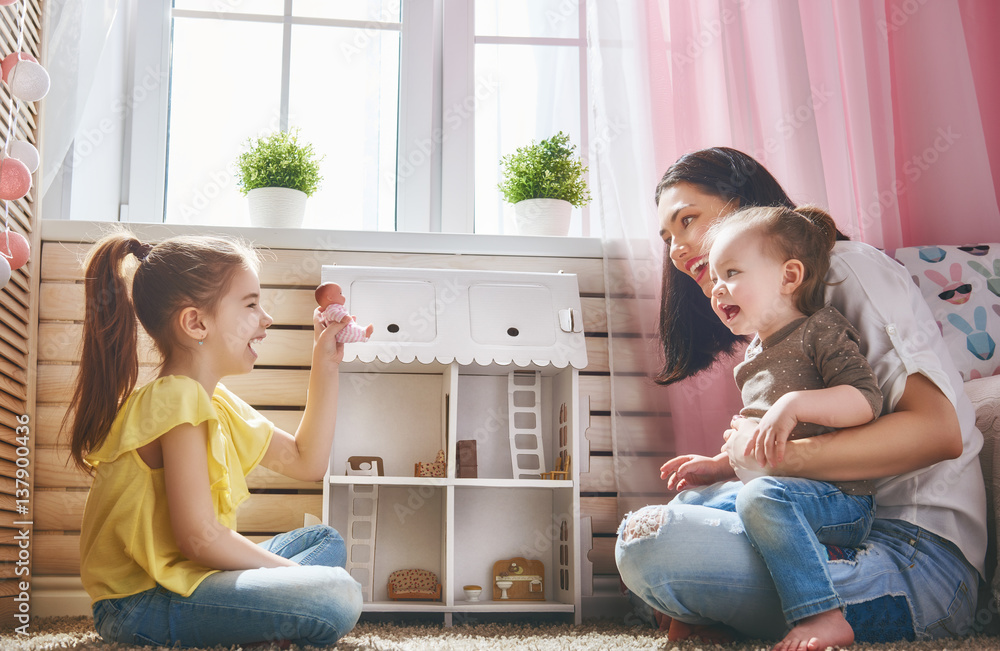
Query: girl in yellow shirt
{"type": "Point", "coordinates": [160, 555]}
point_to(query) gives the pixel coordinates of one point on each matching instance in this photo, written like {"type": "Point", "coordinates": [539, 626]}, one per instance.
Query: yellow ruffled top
{"type": "Point", "coordinates": [126, 541]}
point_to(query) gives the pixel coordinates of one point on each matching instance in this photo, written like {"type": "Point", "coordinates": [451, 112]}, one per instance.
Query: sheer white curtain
{"type": "Point", "coordinates": [623, 178]}
{"type": "Point", "coordinates": [879, 111]}
{"type": "Point", "coordinates": [77, 34]}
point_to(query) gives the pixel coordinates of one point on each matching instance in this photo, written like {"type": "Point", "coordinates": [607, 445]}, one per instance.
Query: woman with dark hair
{"type": "Point", "coordinates": [691, 334]}
{"type": "Point", "coordinates": [917, 574]}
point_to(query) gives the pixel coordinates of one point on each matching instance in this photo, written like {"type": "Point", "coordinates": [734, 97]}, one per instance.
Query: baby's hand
{"type": "Point", "coordinates": [690, 470]}
{"type": "Point", "coordinates": [767, 443]}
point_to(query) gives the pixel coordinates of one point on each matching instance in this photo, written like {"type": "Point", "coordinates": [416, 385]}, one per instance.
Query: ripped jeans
{"type": "Point", "coordinates": [789, 521]}
{"type": "Point", "coordinates": [692, 560]}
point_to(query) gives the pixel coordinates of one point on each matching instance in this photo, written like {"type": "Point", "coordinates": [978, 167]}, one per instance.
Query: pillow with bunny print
{"type": "Point", "coordinates": [961, 284]}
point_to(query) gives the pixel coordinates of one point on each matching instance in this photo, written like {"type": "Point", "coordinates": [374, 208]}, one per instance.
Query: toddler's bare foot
{"type": "Point", "coordinates": [369, 330]}
{"type": "Point", "coordinates": [818, 632]}
{"type": "Point", "coordinates": [662, 621]}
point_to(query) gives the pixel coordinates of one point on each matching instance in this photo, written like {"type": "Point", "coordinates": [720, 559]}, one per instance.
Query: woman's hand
{"type": "Point", "coordinates": [689, 470]}
{"type": "Point", "coordinates": [922, 430]}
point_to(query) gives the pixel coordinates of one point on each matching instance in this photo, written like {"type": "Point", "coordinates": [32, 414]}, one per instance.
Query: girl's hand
{"type": "Point", "coordinates": [325, 338]}
{"type": "Point", "coordinates": [690, 470]}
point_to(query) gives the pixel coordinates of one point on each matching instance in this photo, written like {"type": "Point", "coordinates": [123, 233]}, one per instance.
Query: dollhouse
{"type": "Point", "coordinates": [458, 356]}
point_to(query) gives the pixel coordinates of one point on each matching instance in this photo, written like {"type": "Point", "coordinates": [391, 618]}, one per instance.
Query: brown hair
{"type": "Point", "coordinates": [177, 273]}
{"type": "Point", "coordinates": [806, 234]}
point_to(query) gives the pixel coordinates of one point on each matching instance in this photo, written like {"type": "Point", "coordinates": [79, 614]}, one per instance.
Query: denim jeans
{"type": "Point", "coordinates": [315, 603]}
{"type": "Point", "coordinates": [696, 564]}
{"type": "Point", "coordinates": [789, 521]}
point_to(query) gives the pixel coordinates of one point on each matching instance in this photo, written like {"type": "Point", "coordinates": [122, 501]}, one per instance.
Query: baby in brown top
{"type": "Point", "coordinates": [803, 375]}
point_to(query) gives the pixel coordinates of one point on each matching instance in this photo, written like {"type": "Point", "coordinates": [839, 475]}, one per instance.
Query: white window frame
{"type": "Point", "coordinates": [418, 146]}
{"type": "Point", "coordinates": [437, 191]}
{"type": "Point", "coordinates": [459, 94]}
{"type": "Point", "coordinates": [145, 149]}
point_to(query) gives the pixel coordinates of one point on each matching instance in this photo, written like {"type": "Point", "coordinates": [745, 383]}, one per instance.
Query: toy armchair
{"type": "Point", "coordinates": [436, 468]}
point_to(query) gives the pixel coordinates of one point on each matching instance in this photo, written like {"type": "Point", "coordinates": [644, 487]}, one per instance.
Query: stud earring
{"type": "Point", "coordinates": [201, 342]}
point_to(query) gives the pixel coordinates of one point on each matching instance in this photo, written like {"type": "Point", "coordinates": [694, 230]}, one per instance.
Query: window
{"type": "Point", "coordinates": [531, 56]}
{"type": "Point", "coordinates": [329, 69]}
{"type": "Point", "coordinates": [412, 103]}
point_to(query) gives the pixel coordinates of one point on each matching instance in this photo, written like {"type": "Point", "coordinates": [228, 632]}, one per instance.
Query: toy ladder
{"type": "Point", "coordinates": [362, 515]}
{"type": "Point", "coordinates": [524, 401]}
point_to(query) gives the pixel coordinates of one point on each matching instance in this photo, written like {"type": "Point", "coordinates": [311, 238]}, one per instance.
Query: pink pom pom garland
{"type": "Point", "coordinates": [10, 61]}
{"type": "Point", "coordinates": [15, 249]}
{"type": "Point", "coordinates": [26, 80]}
{"type": "Point", "coordinates": [15, 179]}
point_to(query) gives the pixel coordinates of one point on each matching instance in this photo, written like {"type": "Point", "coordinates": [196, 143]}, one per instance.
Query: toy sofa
{"type": "Point", "coordinates": [414, 584]}
{"type": "Point", "coordinates": [961, 284]}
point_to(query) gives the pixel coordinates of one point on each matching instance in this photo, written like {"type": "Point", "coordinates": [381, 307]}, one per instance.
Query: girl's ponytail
{"type": "Point", "coordinates": [109, 362]}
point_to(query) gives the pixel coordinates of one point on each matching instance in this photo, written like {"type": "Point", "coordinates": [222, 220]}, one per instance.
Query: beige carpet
{"type": "Point", "coordinates": [78, 633]}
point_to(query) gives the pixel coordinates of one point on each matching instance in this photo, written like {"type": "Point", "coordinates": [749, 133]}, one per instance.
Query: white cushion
{"type": "Point", "coordinates": [985, 396]}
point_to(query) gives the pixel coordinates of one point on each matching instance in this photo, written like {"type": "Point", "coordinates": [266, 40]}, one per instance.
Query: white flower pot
{"type": "Point", "coordinates": [542, 217]}
{"type": "Point", "coordinates": [277, 207]}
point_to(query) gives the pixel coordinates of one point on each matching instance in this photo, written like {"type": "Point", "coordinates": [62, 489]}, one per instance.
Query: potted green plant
{"type": "Point", "coordinates": [544, 181]}
{"type": "Point", "coordinates": [277, 173]}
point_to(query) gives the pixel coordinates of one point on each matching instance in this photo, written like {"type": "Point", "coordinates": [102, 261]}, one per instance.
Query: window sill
{"type": "Point", "coordinates": [58, 230]}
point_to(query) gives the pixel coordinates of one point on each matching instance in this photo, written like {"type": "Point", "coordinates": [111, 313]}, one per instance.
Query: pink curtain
{"type": "Point", "coordinates": [884, 112]}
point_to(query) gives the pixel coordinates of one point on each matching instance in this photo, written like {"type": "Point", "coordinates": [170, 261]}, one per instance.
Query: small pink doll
{"type": "Point", "coordinates": [331, 301]}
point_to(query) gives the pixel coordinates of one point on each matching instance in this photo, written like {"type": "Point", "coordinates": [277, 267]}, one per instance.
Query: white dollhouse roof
{"type": "Point", "coordinates": [457, 315]}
